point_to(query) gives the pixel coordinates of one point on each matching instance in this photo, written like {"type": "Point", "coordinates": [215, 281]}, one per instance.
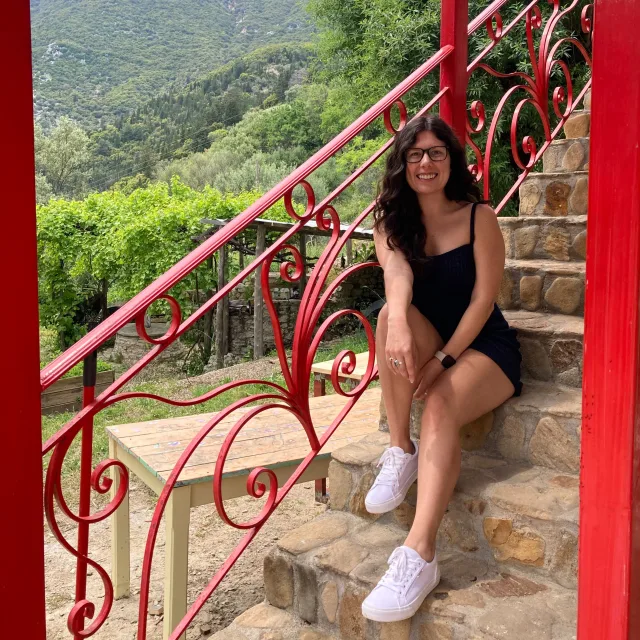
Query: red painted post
{"type": "Point", "coordinates": [22, 608]}
{"type": "Point", "coordinates": [453, 71]}
{"type": "Point", "coordinates": [609, 560]}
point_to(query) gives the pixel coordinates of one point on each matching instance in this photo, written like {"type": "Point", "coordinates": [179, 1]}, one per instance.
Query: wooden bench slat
{"type": "Point", "coordinates": [324, 368]}
{"type": "Point", "coordinates": [266, 441]}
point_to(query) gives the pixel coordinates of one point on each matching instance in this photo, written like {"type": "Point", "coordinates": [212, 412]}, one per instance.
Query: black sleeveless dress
{"type": "Point", "coordinates": [442, 290]}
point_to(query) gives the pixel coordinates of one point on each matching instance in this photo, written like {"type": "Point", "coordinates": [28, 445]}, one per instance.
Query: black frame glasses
{"type": "Point", "coordinates": [428, 152]}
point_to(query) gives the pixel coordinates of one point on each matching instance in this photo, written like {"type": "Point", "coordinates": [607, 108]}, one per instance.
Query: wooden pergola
{"type": "Point", "coordinates": [261, 227]}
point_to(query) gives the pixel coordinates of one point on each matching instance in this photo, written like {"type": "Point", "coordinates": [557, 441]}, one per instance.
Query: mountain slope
{"type": "Point", "coordinates": [97, 59]}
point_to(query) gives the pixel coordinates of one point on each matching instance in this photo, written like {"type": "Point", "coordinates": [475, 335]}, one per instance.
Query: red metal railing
{"type": "Point", "coordinates": [452, 58]}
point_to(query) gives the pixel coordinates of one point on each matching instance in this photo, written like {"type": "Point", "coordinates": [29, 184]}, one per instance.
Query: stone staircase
{"type": "Point", "coordinates": [508, 543]}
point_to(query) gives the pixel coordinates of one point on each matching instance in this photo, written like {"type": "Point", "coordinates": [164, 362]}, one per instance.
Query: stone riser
{"type": "Point", "coordinates": [323, 571]}
{"type": "Point", "coordinates": [518, 516]}
{"type": "Point", "coordinates": [565, 156]}
{"type": "Point", "coordinates": [541, 427]}
{"type": "Point", "coordinates": [545, 238]}
{"type": "Point", "coordinates": [554, 194]}
{"type": "Point", "coordinates": [538, 285]}
{"type": "Point", "coordinates": [551, 346]}
{"type": "Point", "coordinates": [579, 123]}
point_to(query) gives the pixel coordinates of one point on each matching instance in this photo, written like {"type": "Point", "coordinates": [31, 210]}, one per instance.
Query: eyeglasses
{"type": "Point", "coordinates": [415, 154]}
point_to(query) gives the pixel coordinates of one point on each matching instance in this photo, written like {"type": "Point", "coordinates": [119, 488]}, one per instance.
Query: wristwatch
{"type": "Point", "coordinates": [445, 360]}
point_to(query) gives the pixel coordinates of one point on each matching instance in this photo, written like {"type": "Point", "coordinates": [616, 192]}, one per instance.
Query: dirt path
{"type": "Point", "coordinates": [210, 540]}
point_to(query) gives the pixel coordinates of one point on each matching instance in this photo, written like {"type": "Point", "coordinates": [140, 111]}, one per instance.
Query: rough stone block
{"type": "Point", "coordinates": [506, 236]}
{"type": "Point", "coordinates": [535, 359]}
{"type": "Point", "coordinates": [526, 240]}
{"type": "Point", "coordinates": [339, 486]}
{"type": "Point", "coordinates": [329, 599]}
{"type": "Point", "coordinates": [510, 440]}
{"type": "Point", "coordinates": [525, 547]}
{"type": "Point", "coordinates": [316, 533]}
{"type": "Point", "coordinates": [530, 195]}
{"type": "Point", "coordinates": [577, 126]}
{"type": "Point", "coordinates": [565, 354]}
{"type": "Point", "coordinates": [565, 294]}
{"type": "Point", "coordinates": [557, 198]}
{"type": "Point", "coordinates": [531, 292]}
{"type": "Point", "coordinates": [580, 197]}
{"type": "Point", "coordinates": [474, 434]}
{"type": "Point", "coordinates": [278, 581]}
{"type": "Point", "coordinates": [306, 593]}
{"type": "Point", "coordinates": [435, 631]}
{"type": "Point", "coordinates": [564, 564]}
{"type": "Point", "coordinates": [505, 294]}
{"type": "Point", "coordinates": [552, 447]}
{"type": "Point", "coordinates": [517, 619]}
{"type": "Point", "coordinates": [263, 616]}
{"type": "Point", "coordinates": [356, 504]}
{"type": "Point", "coordinates": [579, 244]}
{"type": "Point", "coordinates": [395, 630]}
{"type": "Point", "coordinates": [556, 243]}
{"type": "Point", "coordinates": [574, 157]}
{"type": "Point", "coordinates": [353, 624]}
{"type": "Point", "coordinates": [342, 557]}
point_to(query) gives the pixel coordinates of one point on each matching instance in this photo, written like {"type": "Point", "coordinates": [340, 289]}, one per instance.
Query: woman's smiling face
{"type": "Point", "coordinates": [427, 176]}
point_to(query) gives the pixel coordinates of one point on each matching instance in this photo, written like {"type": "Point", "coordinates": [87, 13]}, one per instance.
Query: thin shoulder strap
{"type": "Point", "coordinates": [472, 233]}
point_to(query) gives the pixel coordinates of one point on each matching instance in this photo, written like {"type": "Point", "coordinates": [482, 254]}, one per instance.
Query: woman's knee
{"type": "Point", "coordinates": [438, 411]}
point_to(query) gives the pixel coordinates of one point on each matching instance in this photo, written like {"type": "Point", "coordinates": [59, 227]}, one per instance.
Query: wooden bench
{"type": "Point", "coordinates": [273, 439]}
{"type": "Point", "coordinates": [322, 372]}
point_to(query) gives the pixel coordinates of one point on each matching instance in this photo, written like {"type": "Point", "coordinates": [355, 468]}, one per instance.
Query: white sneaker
{"type": "Point", "coordinates": [399, 471]}
{"type": "Point", "coordinates": [403, 588]}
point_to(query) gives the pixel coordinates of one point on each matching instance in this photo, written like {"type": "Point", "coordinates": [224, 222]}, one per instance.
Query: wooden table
{"type": "Point", "coordinates": [273, 439]}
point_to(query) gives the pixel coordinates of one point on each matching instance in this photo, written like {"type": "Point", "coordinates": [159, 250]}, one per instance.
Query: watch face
{"type": "Point", "coordinates": [448, 361]}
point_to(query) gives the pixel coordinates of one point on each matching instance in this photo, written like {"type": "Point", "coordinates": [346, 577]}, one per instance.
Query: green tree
{"type": "Point", "coordinates": [63, 158]}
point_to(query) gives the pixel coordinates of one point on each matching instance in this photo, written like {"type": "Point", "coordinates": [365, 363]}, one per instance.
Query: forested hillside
{"type": "Point", "coordinates": [94, 60]}
{"type": "Point", "coordinates": [185, 120]}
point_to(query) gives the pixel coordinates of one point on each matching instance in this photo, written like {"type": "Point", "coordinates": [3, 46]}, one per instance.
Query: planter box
{"type": "Point", "coordinates": [66, 394]}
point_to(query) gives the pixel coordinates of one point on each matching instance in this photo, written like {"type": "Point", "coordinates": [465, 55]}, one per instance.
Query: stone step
{"type": "Point", "coordinates": [554, 194]}
{"type": "Point", "coordinates": [543, 285]}
{"type": "Point", "coordinates": [321, 573]}
{"type": "Point", "coordinates": [515, 514]}
{"type": "Point", "coordinates": [551, 346]}
{"type": "Point", "coordinates": [541, 427]}
{"type": "Point", "coordinates": [578, 125]}
{"type": "Point", "coordinates": [568, 155]}
{"type": "Point", "coordinates": [545, 237]}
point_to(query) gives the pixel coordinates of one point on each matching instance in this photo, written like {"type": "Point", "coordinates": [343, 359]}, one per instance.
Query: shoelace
{"type": "Point", "coordinates": [401, 569]}
{"type": "Point", "coordinates": [391, 462]}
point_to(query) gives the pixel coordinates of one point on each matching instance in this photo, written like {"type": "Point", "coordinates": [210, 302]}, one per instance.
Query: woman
{"type": "Point", "coordinates": [440, 336]}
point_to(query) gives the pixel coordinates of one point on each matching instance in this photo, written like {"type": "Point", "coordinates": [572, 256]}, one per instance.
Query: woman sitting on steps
{"type": "Point", "coordinates": [440, 336]}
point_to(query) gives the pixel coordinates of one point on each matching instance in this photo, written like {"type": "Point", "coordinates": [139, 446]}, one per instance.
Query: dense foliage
{"type": "Point", "coordinates": [111, 245]}
{"type": "Point", "coordinates": [97, 59]}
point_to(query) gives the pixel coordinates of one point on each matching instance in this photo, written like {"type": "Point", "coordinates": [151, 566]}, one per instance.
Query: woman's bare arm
{"type": "Point", "coordinates": [489, 254]}
{"type": "Point", "coordinates": [398, 286]}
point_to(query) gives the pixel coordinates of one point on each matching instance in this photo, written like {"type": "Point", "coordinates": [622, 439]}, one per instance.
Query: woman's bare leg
{"type": "Point", "coordinates": [397, 391]}
{"type": "Point", "coordinates": [471, 388]}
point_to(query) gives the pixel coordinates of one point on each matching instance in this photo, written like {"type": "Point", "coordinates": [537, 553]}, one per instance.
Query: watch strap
{"type": "Point", "coordinates": [446, 360]}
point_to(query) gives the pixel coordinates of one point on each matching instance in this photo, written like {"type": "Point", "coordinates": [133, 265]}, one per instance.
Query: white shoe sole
{"type": "Point", "coordinates": [390, 505]}
{"type": "Point", "coordinates": [395, 615]}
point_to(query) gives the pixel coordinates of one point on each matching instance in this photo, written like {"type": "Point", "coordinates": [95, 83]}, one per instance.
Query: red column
{"type": "Point", "coordinates": [22, 609]}
{"type": "Point", "coordinates": [609, 561]}
{"type": "Point", "coordinates": [453, 71]}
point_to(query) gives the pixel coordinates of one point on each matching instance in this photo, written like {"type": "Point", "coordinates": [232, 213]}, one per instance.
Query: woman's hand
{"type": "Point", "coordinates": [427, 376]}
{"type": "Point", "coordinates": [401, 347]}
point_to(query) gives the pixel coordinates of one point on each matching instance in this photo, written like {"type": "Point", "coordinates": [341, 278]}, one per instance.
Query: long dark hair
{"type": "Point", "coordinates": [397, 211]}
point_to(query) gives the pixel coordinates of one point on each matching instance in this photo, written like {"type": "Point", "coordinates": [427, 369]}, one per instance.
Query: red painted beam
{"type": "Point", "coordinates": [609, 559]}
{"type": "Point", "coordinates": [454, 20]}
{"type": "Point", "coordinates": [22, 608]}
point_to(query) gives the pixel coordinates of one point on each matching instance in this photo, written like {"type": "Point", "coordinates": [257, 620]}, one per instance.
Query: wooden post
{"type": "Point", "coordinates": [349, 250]}
{"type": "Point", "coordinates": [609, 557]}
{"type": "Point", "coordinates": [303, 255]}
{"type": "Point", "coordinates": [454, 17]}
{"type": "Point", "coordinates": [222, 311]}
{"type": "Point", "coordinates": [258, 302]}
{"type": "Point", "coordinates": [22, 533]}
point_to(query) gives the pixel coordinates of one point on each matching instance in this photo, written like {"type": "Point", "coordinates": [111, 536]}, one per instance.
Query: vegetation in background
{"type": "Point", "coordinates": [96, 60]}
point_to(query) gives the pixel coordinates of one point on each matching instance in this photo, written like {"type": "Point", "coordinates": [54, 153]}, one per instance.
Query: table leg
{"type": "Point", "coordinates": [120, 548]}
{"type": "Point", "coordinates": [318, 385]}
{"type": "Point", "coordinates": [176, 570]}
{"type": "Point", "coordinates": [321, 490]}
